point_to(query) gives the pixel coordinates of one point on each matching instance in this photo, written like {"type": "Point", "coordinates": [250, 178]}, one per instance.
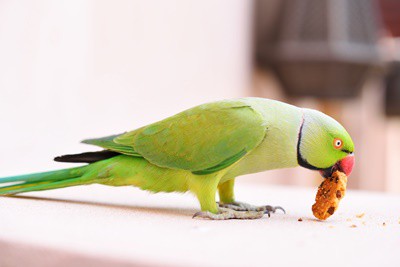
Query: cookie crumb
{"type": "Point", "coordinates": [360, 215]}
{"type": "Point", "coordinates": [353, 226]}
{"type": "Point", "coordinates": [348, 220]}
{"type": "Point", "coordinates": [299, 219]}
{"type": "Point", "coordinates": [364, 223]}
{"type": "Point", "coordinates": [384, 224]}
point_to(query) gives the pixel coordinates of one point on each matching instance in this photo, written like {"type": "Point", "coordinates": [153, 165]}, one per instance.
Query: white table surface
{"type": "Point", "coordinates": [125, 226]}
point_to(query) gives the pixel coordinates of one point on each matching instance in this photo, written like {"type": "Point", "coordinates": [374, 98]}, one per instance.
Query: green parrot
{"type": "Point", "coordinates": [203, 150]}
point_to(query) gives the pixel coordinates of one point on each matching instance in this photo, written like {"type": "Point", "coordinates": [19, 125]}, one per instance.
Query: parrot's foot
{"type": "Point", "coordinates": [239, 206]}
{"type": "Point", "coordinates": [226, 214]}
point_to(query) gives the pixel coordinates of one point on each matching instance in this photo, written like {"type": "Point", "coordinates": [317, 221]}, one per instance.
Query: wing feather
{"type": "Point", "coordinates": [203, 140]}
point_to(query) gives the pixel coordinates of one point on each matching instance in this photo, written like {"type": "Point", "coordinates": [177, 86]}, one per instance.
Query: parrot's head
{"type": "Point", "coordinates": [324, 144]}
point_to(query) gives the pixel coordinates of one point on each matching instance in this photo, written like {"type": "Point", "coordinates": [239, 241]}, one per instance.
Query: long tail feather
{"type": "Point", "coordinates": [45, 176]}
{"type": "Point", "coordinates": [46, 180]}
{"type": "Point", "coordinates": [29, 187]}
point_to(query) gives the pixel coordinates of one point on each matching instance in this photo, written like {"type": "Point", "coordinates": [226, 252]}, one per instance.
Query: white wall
{"type": "Point", "coordinates": [70, 70]}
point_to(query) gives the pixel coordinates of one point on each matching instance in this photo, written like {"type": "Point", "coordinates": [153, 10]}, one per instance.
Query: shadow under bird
{"type": "Point", "coordinates": [203, 150]}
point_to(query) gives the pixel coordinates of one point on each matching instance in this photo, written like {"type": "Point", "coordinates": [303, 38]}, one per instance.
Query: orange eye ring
{"type": "Point", "coordinates": [337, 143]}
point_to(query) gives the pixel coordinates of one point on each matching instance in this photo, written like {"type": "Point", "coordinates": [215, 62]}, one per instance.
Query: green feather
{"type": "Point", "coordinates": [222, 165]}
{"type": "Point", "coordinates": [43, 181]}
{"type": "Point", "coordinates": [108, 143]}
{"type": "Point", "coordinates": [199, 139]}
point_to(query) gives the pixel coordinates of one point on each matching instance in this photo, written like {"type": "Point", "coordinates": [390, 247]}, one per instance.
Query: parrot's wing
{"type": "Point", "coordinates": [204, 139]}
{"type": "Point", "coordinates": [109, 144]}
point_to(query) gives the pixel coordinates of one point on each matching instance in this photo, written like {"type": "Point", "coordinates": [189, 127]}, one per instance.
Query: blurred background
{"type": "Point", "coordinates": [71, 70]}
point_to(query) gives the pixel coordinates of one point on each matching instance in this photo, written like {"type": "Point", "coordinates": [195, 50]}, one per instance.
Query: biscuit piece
{"type": "Point", "coordinates": [329, 194]}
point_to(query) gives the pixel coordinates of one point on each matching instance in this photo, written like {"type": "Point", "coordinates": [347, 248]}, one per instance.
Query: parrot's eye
{"type": "Point", "coordinates": [337, 143]}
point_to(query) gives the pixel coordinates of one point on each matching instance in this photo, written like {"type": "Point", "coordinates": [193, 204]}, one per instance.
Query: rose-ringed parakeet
{"type": "Point", "coordinates": [203, 150]}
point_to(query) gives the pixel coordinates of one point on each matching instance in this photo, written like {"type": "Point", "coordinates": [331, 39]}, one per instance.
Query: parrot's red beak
{"type": "Point", "coordinates": [345, 165]}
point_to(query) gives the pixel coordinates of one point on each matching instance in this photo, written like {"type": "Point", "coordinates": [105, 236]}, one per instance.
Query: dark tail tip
{"type": "Point", "coordinates": [87, 157]}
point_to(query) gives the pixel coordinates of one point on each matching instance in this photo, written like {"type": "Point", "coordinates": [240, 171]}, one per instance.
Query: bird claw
{"type": "Point", "coordinates": [226, 214]}
{"type": "Point", "coordinates": [239, 206]}
{"type": "Point", "coordinates": [272, 209]}
{"type": "Point", "coordinates": [197, 214]}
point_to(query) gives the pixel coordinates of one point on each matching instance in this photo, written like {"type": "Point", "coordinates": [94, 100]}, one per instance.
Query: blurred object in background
{"type": "Point", "coordinates": [390, 10]}
{"type": "Point", "coordinates": [393, 89]}
{"type": "Point", "coordinates": [325, 54]}
{"type": "Point", "coordinates": [319, 48]}
{"type": "Point", "coordinates": [391, 18]}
